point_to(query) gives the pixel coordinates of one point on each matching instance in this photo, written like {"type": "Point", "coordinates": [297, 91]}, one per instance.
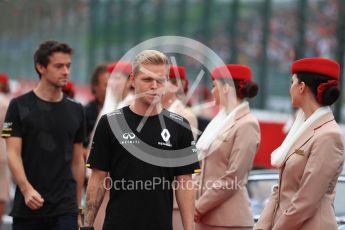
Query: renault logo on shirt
{"type": "Point", "coordinates": [129, 138]}
{"type": "Point", "coordinates": [165, 135]}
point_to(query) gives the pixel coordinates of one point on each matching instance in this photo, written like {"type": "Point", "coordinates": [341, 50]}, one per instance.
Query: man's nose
{"type": "Point", "coordinates": [66, 70]}
{"type": "Point", "coordinates": [154, 84]}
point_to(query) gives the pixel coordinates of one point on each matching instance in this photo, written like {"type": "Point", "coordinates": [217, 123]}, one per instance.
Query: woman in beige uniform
{"type": "Point", "coordinates": [312, 155]}
{"type": "Point", "coordinates": [228, 146]}
{"type": "Point", "coordinates": [171, 102]}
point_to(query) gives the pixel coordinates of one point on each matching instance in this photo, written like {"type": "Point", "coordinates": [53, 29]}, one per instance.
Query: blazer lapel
{"type": "Point", "coordinates": [308, 134]}
{"type": "Point", "coordinates": [241, 113]}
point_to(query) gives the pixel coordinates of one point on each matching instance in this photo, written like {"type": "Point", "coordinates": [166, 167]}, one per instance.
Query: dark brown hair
{"type": "Point", "coordinates": [328, 96]}
{"type": "Point", "coordinates": [244, 89]}
{"type": "Point", "coordinates": [46, 49]}
{"type": "Point", "coordinates": [98, 71]}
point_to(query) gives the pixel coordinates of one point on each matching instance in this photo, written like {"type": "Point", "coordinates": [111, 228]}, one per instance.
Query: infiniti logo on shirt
{"type": "Point", "coordinates": [129, 138]}
{"type": "Point", "coordinates": [128, 135]}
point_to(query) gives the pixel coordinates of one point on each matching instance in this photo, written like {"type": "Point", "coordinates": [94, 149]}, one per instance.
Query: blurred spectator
{"type": "Point", "coordinates": [4, 83]}
{"type": "Point", "coordinates": [177, 85]}
{"type": "Point", "coordinates": [99, 81]}
{"type": "Point", "coordinates": [118, 95]}
{"type": "Point", "coordinates": [4, 175]}
{"type": "Point", "coordinates": [118, 92]}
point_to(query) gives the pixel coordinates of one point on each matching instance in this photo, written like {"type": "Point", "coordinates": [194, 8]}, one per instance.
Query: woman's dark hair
{"type": "Point", "coordinates": [48, 48]}
{"type": "Point", "coordinates": [328, 95]}
{"type": "Point", "coordinates": [244, 89]}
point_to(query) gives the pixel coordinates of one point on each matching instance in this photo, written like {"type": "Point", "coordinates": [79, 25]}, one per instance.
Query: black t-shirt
{"type": "Point", "coordinates": [48, 131]}
{"type": "Point", "coordinates": [135, 203]}
{"type": "Point", "coordinates": [91, 114]}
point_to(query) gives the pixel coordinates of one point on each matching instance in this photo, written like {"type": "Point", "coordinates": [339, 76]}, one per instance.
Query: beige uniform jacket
{"type": "Point", "coordinates": [304, 197]}
{"type": "Point", "coordinates": [4, 173]}
{"type": "Point", "coordinates": [222, 195]}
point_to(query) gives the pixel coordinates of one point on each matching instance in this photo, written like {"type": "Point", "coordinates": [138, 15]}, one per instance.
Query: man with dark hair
{"type": "Point", "coordinates": [44, 130]}
{"type": "Point", "coordinates": [99, 79]}
{"type": "Point", "coordinates": [47, 49]}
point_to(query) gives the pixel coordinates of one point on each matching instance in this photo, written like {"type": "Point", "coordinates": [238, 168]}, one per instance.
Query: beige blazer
{"type": "Point", "coordinates": [3, 109]}
{"type": "Point", "coordinates": [222, 194]}
{"type": "Point", "coordinates": [4, 172]}
{"type": "Point", "coordinates": [304, 197]}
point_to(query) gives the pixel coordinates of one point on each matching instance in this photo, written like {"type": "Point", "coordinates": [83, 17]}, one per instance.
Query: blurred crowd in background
{"type": "Point", "coordinates": [264, 34]}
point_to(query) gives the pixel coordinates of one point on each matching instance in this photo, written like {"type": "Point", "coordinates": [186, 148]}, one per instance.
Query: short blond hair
{"type": "Point", "coordinates": [153, 57]}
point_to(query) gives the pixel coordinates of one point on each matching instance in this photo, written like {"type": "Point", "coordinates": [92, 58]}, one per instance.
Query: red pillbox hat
{"type": "Point", "coordinates": [120, 66]}
{"type": "Point", "coordinates": [177, 72]}
{"type": "Point", "coordinates": [234, 71]}
{"type": "Point", "coordinates": [321, 66]}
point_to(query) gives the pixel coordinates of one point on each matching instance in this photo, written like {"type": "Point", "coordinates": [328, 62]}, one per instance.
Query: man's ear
{"type": "Point", "coordinates": [40, 68]}
{"type": "Point", "coordinates": [131, 80]}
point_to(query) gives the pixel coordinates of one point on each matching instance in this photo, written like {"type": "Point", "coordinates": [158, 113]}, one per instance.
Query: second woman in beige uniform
{"type": "Point", "coordinates": [228, 146]}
